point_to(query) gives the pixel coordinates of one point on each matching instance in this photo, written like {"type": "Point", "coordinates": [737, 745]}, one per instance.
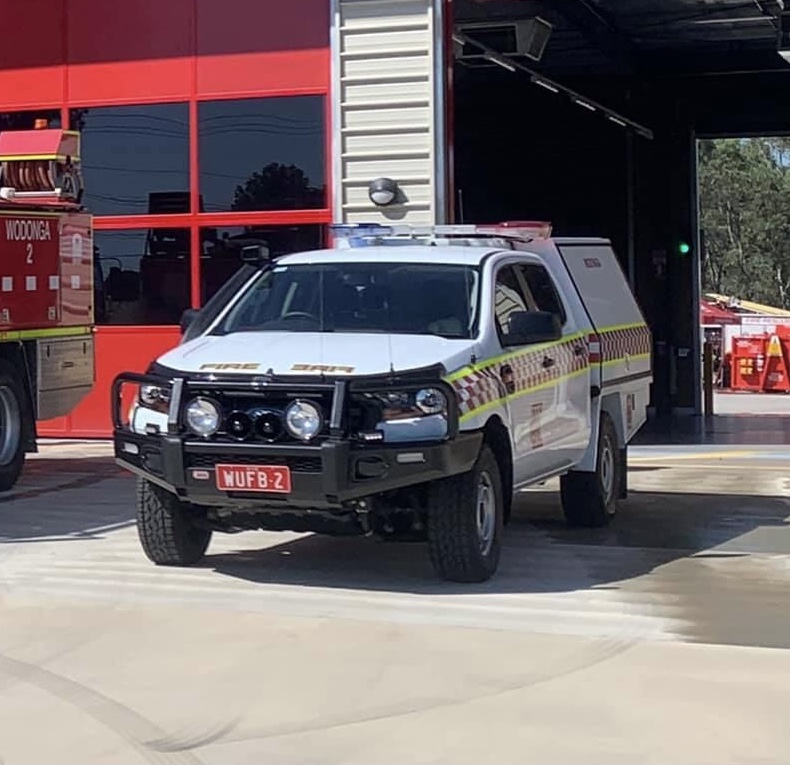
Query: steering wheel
{"type": "Point", "coordinates": [299, 315]}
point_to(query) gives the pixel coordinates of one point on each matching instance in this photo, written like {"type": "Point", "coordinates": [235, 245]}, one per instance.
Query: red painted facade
{"type": "Point", "coordinates": [68, 55]}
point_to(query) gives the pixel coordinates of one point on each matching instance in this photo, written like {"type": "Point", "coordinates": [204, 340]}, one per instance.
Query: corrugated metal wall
{"type": "Point", "coordinates": [389, 110]}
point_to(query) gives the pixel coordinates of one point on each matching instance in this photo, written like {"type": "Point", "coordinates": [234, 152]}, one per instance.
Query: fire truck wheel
{"type": "Point", "coordinates": [12, 417]}
{"type": "Point", "coordinates": [589, 500]}
{"type": "Point", "coordinates": [167, 532]}
{"type": "Point", "coordinates": [465, 519]}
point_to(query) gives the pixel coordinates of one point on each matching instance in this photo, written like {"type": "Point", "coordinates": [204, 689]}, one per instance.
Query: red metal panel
{"type": "Point", "coordinates": [29, 275]}
{"type": "Point", "coordinates": [121, 52]}
{"type": "Point", "coordinates": [247, 47]}
{"type": "Point", "coordinates": [41, 144]}
{"type": "Point", "coordinates": [76, 270]}
{"type": "Point", "coordinates": [118, 349]}
{"type": "Point", "coordinates": [31, 56]}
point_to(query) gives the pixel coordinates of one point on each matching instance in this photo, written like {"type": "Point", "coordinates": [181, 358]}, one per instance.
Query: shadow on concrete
{"type": "Point", "coordinates": [49, 502]}
{"type": "Point", "coordinates": [733, 429]}
{"type": "Point", "coordinates": [541, 553]}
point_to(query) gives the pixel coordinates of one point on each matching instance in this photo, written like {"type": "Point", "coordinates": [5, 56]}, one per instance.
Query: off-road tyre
{"type": "Point", "coordinates": [167, 533]}
{"type": "Point", "coordinates": [589, 500]}
{"type": "Point", "coordinates": [465, 539]}
{"type": "Point", "coordinates": [14, 414]}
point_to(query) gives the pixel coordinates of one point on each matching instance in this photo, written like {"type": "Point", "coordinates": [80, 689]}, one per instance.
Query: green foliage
{"type": "Point", "coordinates": [744, 187]}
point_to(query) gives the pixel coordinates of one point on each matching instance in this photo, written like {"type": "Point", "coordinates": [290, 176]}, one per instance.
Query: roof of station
{"type": "Point", "coordinates": [645, 36]}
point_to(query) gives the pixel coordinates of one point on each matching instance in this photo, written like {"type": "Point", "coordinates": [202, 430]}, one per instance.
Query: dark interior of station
{"type": "Point", "coordinates": [604, 143]}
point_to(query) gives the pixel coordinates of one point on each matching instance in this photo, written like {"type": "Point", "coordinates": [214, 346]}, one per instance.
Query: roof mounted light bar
{"type": "Point", "coordinates": [351, 235]}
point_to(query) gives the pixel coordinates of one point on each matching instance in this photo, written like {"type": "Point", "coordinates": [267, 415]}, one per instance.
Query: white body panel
{"type": "Point", "coordinates": [280, 352]}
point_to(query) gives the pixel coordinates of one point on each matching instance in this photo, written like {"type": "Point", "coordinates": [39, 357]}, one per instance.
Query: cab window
{"type": "Point", "coordinates": [509, 297]}
{"type": "Point", "coordinates": [540, 289]}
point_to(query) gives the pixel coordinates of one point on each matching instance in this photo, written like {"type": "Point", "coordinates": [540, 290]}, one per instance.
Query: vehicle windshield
{"type": "Point", "coordinates": [402, 298]}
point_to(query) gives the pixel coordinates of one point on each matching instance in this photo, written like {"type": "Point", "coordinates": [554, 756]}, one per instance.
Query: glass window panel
{"type": "Point", "coordinates": [27, 120]}
{"type": "Point", "coordinates": [221, 249]}
{"type": "Point", "coordinates": [263, 154]}
{"type": "Point", "coordinates": [135, 159]}
{"type": "Point", "coordinates": [144, 276]}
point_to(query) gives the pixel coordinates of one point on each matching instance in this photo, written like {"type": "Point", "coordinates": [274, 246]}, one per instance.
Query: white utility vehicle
{"type": "Point", "coordinates": [405, 383]}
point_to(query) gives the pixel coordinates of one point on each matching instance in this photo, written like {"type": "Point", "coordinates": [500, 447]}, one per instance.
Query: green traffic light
{"type": "Point", "coordinates": [684, 248]}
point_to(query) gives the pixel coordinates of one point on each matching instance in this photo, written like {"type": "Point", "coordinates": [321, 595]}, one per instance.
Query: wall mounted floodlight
{"type": "Point", "coordinates": [383, 191]}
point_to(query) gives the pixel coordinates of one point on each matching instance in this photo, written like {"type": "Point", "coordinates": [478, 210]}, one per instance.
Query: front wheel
{"type": "Point", "coordinates": [465, 519]}
{"type": "Point", "coordinates": [589, 500]}
{"type": "Point", "coordinates": [167, 531]}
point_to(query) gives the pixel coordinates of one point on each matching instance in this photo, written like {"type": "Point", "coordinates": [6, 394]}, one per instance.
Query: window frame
{"type": "Point", "coordinates": [144, 232]}
{"type": "Point", "coordinates": [195, 220]}
{"type": "Point", "coordinates": [325, 102]}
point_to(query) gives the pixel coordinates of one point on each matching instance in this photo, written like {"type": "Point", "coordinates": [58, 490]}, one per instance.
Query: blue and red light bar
{"type": "Point", "coordinates": [369, 234]}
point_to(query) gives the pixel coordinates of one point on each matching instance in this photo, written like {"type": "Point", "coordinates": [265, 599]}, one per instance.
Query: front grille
{"type": "Point", "coordinates": [296, 464]}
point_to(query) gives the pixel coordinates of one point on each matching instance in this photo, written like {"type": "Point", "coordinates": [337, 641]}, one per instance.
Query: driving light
{"type": "Point", "coordinates": [431, 401]}
{"type": "Point", "coordinates": [203, 417]}
{"type": "Point", "coordinates": [303, 420]}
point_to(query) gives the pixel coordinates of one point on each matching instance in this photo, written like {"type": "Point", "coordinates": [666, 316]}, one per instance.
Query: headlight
{"type": "Point", "coordinates": [431, 401]}
{"type": "Point", "coordinates": [303, 420]}
{"type": "Point", "coordinates": [154, 396]}
{"type": "Point", "coordinates": [203, 417]}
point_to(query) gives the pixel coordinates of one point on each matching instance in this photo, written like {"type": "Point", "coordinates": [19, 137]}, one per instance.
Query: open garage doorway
{"type": "Point", "coordinates": [744, 199]}
{"type": "Point", "coordinates": [587, 113]}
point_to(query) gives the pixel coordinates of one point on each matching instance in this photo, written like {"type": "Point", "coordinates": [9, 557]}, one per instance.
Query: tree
{"type": "Point", "coordinates": [277, 187]}
{"type": "Point", "coordinates": [744, 189]}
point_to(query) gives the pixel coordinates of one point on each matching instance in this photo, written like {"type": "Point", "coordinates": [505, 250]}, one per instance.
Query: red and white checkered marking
{"type": "Point", "coordinates": [489, 384]}
{"type": "Point", "coordinates": [616, 344]}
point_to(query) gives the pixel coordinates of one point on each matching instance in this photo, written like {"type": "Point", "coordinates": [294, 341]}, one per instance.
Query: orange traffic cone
{"type": "Point", "coordinates": [775, 377]}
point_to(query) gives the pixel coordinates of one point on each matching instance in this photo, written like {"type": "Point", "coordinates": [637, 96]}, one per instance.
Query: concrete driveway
{"type": "Point", "coordinates": [660, 640]}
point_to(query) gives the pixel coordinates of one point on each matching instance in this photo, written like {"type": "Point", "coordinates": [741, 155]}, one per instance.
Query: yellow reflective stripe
{"type": "Point", "coordinates": [514, 396]}
{"type": "Point", "coordinates": [36, 157]}
{"type": "Point", "coordinates": [483, 365]}
{"type": "Point", "coordinates": [621, 360]}
{"type": "Point", "coordinates": [34, 334]}
{"type": "Point", "coordinates": [27, 214]}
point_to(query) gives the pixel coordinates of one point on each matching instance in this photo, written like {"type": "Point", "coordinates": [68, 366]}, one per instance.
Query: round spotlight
{"type": "Point", "coordinates": [239, 425]}
{"type": "Point", "coordinates": [268, 425]}
{"type": "Point", "coordinates": [203, 417]}
{"type": "Point", "coordinates": [303, 420]}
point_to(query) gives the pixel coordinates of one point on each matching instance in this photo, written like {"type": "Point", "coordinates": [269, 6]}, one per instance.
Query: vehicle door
{"type": "Point", "coordinates": [524, 371]}
{"type": "Point", "coordinates": [570, 429]}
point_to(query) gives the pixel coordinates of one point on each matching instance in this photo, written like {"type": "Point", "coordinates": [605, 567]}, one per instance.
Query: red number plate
{"type": "Point", "coordinates": [263, 478]}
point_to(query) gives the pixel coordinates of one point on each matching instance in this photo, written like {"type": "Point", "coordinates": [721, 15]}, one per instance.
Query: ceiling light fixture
{"type": "Point", "coordinates": [536, 78]}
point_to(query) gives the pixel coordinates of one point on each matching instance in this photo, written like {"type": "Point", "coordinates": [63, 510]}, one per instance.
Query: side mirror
{"type": "Point", "coordinates": [187, 318]}
{"type": "Point", "coordinates": [255, 254]}
{"type": "Point", "coordinates": [531, 327]}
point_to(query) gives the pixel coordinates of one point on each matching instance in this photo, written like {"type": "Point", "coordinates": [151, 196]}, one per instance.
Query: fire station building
{"type": "Point", "coordinates": [208, 125]}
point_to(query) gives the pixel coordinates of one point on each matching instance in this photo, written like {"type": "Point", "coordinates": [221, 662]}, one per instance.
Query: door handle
{"type": "Point", "coordinates": [547, 362]}
{"type": "Point", "coordinates": [578, 350]}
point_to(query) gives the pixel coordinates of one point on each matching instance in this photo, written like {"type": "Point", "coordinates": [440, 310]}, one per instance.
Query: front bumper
{"type": "Point", "coordinates": [327, 475]}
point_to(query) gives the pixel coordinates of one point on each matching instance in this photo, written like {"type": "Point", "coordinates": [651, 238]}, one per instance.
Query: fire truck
{"type": "Point", "coordinates": [46, 288]}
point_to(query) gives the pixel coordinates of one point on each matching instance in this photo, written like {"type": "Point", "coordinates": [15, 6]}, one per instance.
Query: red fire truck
{"type": "Point", "coordinates": [46, 288]}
